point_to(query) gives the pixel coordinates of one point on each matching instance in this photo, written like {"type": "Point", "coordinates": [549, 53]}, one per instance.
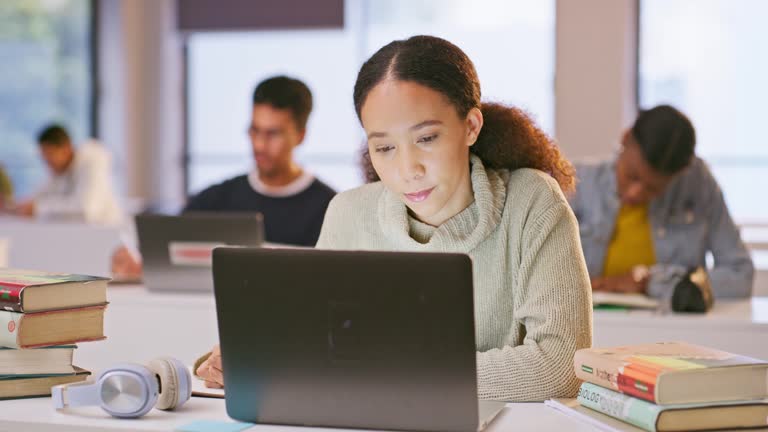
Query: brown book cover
{"type": "Point", "coordinates": [674, 373]}
{"type": "Point", "coordinates": [12, 387]}
{"type": "Point", "coordinates": [36, 291]}
{"type": "Point", "coordinates": [59, 327]}
{"type": "Point", "coordinates": [46, 360]}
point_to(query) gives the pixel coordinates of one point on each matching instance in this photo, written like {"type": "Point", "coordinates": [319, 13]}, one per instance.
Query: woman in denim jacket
{"type": "Point", "coordinates": [651, 214]}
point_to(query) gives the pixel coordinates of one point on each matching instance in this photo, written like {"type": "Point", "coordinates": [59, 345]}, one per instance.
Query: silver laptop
{"type": "Point", "coordinates": [366, 340]}
{"type": "Point", "coordinates": [176, 250]}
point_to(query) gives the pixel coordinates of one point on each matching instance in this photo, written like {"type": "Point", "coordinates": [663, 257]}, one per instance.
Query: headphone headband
{"type": "Point", "coordinates": [74, 395]}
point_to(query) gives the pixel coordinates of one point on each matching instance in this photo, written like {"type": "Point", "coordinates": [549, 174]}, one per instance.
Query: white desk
{"type": "Point", "coordinates": [739, 326]}
{"type": "Point", "coordinates": [37, 415]}
{"type": "Point", "coordinates": [142, 325]}
{"type": "Point", "coordinates": [59, 246]}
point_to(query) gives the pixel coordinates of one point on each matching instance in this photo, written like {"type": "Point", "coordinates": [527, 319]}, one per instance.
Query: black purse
{"type": "Point", "coordinates": [693, 293]}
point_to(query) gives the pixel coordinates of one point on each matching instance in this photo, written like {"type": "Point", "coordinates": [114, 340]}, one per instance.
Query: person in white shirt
{"type": "Point", "coordinates": [80, 187]}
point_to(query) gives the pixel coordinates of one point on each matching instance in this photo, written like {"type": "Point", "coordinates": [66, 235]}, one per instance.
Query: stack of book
{"type": "Point", "coordinates": [673, 386]}
{"type": "Point", "coordinates": [43, 315]}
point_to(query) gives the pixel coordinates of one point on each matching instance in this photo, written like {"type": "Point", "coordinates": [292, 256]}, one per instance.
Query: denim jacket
{"type": "Point", "coordinates": [688, 220]}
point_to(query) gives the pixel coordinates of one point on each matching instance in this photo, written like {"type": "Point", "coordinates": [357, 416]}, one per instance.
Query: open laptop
{"type": "Point", "coordinates": [176, 250]}
{"type": "Point", "coordinates": [369, 340]}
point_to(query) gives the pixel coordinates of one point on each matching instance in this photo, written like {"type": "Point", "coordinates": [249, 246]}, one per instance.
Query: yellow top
{"type": "Point", "coordinates": [631, 243]}
{"type": "Point", "coordinates": [6, 187]}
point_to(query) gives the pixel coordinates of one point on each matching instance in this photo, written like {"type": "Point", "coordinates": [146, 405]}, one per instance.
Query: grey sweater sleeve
{"type": "Point", "coordinates": [553, 305]}
{"type": "Point", "coordinates": [331, 234]}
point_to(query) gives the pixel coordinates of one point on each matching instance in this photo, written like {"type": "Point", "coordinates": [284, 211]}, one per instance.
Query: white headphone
{"type": "Point", "coordinates": [130, 390]}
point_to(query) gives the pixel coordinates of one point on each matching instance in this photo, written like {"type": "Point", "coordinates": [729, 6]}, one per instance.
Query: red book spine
{"type": "Point", "coordinates": [10, 296]}
{"type": "Point", "coordinates": [636, 388]}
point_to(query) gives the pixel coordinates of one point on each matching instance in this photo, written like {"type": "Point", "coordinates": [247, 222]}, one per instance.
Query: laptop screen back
{"type": "Point", "coordinates": [176, 250]}
{"type": "Point", "coordinates": [377, 340]}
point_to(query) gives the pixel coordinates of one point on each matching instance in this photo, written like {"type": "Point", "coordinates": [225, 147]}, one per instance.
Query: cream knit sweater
{"type": "Point", "coordinates": [532, 291]}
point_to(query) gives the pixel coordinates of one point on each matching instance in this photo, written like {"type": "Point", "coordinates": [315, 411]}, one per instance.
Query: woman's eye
{"type": "Point", "coordinates": [383, 149]}
{"type": "Point", "coordinates": [427, 139]}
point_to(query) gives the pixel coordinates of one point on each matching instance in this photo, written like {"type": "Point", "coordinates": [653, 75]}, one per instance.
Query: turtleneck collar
{"type": "Point", "coordinates": [462, 232]}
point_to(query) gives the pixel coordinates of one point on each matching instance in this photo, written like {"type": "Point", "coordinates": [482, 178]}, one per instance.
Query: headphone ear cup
{"type": "Point", "coordinates": [184, 380]}
{"type": "Point", "coordinates": [127, 390]}
{"type": "Point", "coordinates": [175, 382]}
{"type": "Point", "coordinates": [169, 383]}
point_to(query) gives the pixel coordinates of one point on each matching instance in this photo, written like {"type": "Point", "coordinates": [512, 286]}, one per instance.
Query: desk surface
{"type": "Point", "coordinates": [745, 310]}
{"type": "Point", "coordinates": [738, 326]}
{"type": "Point", "coordinates": [38, 415]}
{"type": "Point", "coordinates": [752, 311]}
{"type": "Point", "coordinates": [141, 325]}
{"type": "Point", "coordinates": [725, 312]}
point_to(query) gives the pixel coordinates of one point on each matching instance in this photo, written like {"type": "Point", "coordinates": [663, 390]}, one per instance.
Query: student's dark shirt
{"type": "Point", "coordinates": [293, 220]}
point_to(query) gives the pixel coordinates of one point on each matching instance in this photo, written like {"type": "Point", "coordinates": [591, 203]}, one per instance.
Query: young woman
{"type": "Point", "coordinates": [458, 175]}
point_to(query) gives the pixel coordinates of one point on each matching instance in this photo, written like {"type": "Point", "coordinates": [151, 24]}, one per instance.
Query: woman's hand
{"type": "Point", "coordinates": [125, 265]}
{"type": "Point", "coordinates": [211, 371]}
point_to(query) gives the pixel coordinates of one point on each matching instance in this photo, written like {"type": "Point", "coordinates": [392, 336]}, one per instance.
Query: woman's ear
{"type": "Point", "coordinates": [474, 124]}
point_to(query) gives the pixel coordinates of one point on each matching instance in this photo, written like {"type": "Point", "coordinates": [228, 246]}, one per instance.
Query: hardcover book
{"type": "Point", "coordinates": [674, 373]}
{"type": "Point", "coordinates": [59, 327]}
{"type": "Point", "coordinates": [35, 291]}
{"type": "Point", "coordinates": [47, 360]}
{"type": "Point", "coordinates": [672, 418]}
{"type": "Point", "coordinates": [12, 387]}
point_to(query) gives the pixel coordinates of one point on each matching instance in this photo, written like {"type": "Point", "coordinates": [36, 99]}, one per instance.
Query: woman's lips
{"type": "Point", "coordinates": [420, 195]}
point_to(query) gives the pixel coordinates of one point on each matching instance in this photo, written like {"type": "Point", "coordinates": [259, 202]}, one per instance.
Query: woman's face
{"type": "Point", "coordinates": [419, 147]}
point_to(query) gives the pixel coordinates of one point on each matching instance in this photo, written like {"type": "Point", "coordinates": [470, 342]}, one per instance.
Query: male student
{"type": "Point", "coordinates": [80, 187]}
{"type": "Point", "coordinates": [652, 213]}
{"type": "Point", "coordinates": [292, 200]}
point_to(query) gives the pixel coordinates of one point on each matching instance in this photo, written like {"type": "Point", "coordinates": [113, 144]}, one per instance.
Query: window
{"type": "Point", "coordinates": [223, 69]}
{"type": "Point", "coordinates": [709, 59]}
{"type": "Point", "coordinates": [510, 42]}
{"type": "Point", "coordinates": [45, 52]}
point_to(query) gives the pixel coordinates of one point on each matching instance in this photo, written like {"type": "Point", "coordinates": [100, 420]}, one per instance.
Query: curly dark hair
{"type": "Point", "coordinates": [509, 138]}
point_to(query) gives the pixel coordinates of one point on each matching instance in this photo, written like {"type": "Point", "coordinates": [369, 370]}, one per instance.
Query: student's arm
{"type": "Point", "coordinates": [320, 202]}
{"type": "Point", "coordinates": [92, 183]}
{"type": "Point", "coordinates": [733, 273]}
{"type": "Point", "coordinates": [552, 304]}
{"type": "Point", "coordinates": [332, 234]}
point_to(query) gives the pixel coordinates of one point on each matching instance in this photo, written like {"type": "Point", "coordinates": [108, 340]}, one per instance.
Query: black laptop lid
{"type": "Point", "coordinates": [377, 340]}
{"type": "Point", "coordinates": [176, 250]}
